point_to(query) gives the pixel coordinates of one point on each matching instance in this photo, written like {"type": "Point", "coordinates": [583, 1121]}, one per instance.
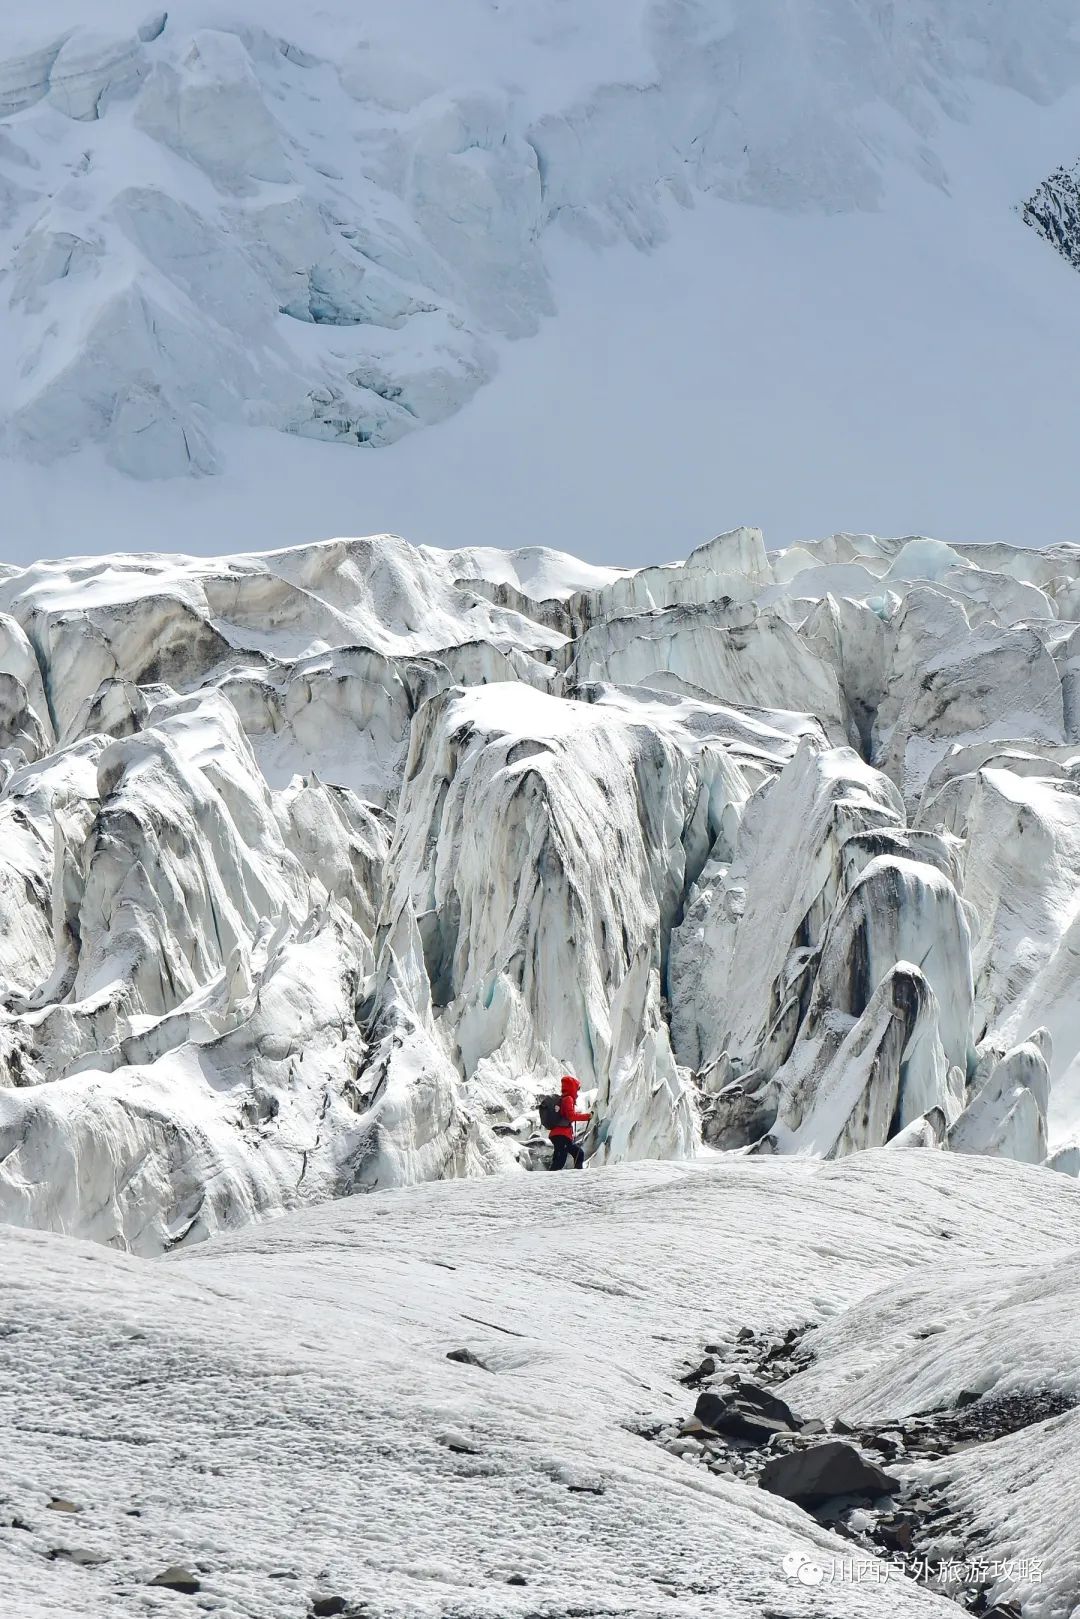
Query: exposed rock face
{"type": "Point", "coordinates": [1053, 210]}
{"type": "Point", "coordinates": [318, 867]}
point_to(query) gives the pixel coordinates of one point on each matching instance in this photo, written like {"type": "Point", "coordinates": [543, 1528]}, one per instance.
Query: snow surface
{"type": "Point", "coordinates": [323, 269]}
{"type": "Point", "coordinates": [276, 1411]}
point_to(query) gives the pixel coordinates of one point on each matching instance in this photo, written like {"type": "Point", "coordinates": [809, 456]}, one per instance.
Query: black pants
{"type": "Point", "coordinates": [564, 1147]}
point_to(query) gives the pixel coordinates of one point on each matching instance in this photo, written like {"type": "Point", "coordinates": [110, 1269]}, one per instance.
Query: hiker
{"type": "Point", "coordinates": [561, 1110]}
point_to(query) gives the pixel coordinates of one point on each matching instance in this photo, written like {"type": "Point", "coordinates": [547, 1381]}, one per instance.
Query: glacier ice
{"type": "Point", "coordinates": [319, 865]}
{"type": "Point", "coordinates": [353, 1369]}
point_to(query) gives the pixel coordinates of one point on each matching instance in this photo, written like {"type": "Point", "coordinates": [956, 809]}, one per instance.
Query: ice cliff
{"type": "Point", "coordinates": [317, 866]}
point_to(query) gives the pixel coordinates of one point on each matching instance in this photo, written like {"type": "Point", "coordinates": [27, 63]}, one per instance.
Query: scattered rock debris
{"type": "Point", "coordinates": [850, 1479]}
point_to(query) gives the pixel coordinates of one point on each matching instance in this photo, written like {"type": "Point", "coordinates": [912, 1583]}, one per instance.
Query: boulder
{"type": "Point", "coordinates": [769, 1404]}
{"type": "Point", "coordinates": [816, 1475]}
{"type": "Point", "coordinates": [179, 1579]}
{"type": "Point", "coordinates": [464, 1357]}
{"type": "Point", "coordinates": [749, 1414]}
{"type": "Point", "coordinates": [743, 1422]}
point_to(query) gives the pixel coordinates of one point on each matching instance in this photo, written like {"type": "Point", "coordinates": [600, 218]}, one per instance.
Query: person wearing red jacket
{"type": "Point", "coordinates": [562, 1134]}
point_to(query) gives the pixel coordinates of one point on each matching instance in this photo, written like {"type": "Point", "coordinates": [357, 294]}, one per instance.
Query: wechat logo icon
{"type": "Point", "coordinates": [799, 1566]}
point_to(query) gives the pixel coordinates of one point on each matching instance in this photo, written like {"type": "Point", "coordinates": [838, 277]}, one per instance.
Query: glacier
{"type": "Point", "coordinates": [433, 1403]}
{"type": "Point", "coordinates": [320, 865]}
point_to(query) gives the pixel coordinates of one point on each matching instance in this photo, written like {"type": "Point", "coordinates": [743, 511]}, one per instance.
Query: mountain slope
{"type": "Point", "coordinates": [233, 235]}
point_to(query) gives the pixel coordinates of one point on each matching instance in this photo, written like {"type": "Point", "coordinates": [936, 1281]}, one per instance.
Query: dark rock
{"type": "Point", "coordinates": [989, 1416]}
{"type": "Point", "coordinates": [1053, 212]}
{"type": "Point", "coordinates": [327, 1607]}
{"type": "Point", "coordinates": [881, 1442]}
{"type": "Point", "coordinates": [768, 1404]}
{"type": "Point", "coordinates": [813, 1425]}
{"type": "Point", "coordinates": [1004, 1610]}
{"type": "Point", "coordinates": [745, 1335]}
{"type": "Point", "coordinates": [517, 1579]}
{"type": "Point", "coordinates": [897, 1534]}
{"type": "Point", "coordinates": [815, 1475]}
{"type": "Point", "coordinates": [177, 1579]}
{"type": "Point", "coordinates": [707, 1368]}
{"type": "Point", "coordinates": [58, 1504]}
{"type": "Point", "coordinates": [743, 1422]}
{"type": "Point", "coordinates": [838, 1425]}
{"type": "Point", "coordinates": [465, 1357]}
{"type": "Point", "coordinates": [916, 1440]}
{"type": "Point", "coordinates": [710, 1407]}
{"type": "Point", "coordinates": [731, 1414]}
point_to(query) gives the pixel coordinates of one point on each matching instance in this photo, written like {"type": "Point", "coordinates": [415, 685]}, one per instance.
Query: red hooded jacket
{"type": "Point", "coordinates": [570, 1088]}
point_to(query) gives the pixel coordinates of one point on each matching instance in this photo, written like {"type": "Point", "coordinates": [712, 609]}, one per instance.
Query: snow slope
{"type": "Point", "coordinates": [276, 1412]}
{"type": "Point", "coordinates": [324, 269]}
{"type": "Point", "coordinates": [318, 866]}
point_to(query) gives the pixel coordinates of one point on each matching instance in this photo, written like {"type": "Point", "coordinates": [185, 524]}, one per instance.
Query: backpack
{"type": "Point", "coordinates": [551, 1112]}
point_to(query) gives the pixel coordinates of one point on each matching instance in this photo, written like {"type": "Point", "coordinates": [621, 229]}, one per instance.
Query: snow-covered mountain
{"type": "Point", "coordinates": [270, 253]}
{"type": "Point", "coordinates": [320, 865]}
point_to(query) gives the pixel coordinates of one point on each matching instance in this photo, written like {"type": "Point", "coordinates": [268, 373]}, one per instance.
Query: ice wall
{"type": "Point", "coordinates": [317, 867]}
